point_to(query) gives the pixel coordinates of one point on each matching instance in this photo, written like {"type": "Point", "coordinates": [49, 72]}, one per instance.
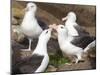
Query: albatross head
{"type": "Point", "coordinates": [31, 7]}
{"type": "Point", "coordinates": [61, 29]}
{"type": "Point", "coordinates": [71, 16]}
{"type": "Point", "coordinates": [45, 35]}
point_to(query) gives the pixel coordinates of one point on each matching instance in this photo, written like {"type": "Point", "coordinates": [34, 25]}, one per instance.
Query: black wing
{"type": "Point", "coordinates": [27, 66]}
{"type": "Point", "coordinates": [42, 24]}
{"type": "Point", "coordinates": [82, 41]}
{"type": "Point", "coordinates": [81, 31]}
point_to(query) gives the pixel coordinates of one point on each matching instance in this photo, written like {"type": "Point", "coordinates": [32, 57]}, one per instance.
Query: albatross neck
{"type": "Point", "coordinates": [29, 15]}
{"type": "Point", "coordinates": [62, 37]}
{"type": "Point", "coordinates": [69, 21]}
{"type": "Point", "coordinates": [41, 47]}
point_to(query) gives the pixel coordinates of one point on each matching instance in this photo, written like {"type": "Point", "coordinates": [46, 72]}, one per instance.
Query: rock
{"type": "Point", "coordinates": [92, 52]}
{"type": "Point", "coordinates": [16, 50]}
{"type": "Point", "coordinates": [89, 63]}
{"type": "Point", "coordinates": [53, 46]}
{"type": "Point", "coordinates": [16, 46]}
{"type": "Point", "coordinates": [25, 54]}
{"type": "Point", "coordinates": [51, 68]}
{"type": "Point", "coordinates": [17, 35]}
{"type": "Point", "coordinates": [85, 13]}
{"type": "Point", "coordinates": [17, 53]}
{"type": "Point", "coordinates": [86, 18]}
{"type": "Point", "coordinates": [26, 69]}
{"type": "Point", "coordinates": [14, 21]}
{"type": "Point", "coordinates": [18, 12]}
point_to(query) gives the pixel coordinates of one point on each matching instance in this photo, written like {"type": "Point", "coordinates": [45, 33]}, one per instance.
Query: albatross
{"type": "Point", "coordinates": [71, 45]}
{"type": "Point", "coordinates": [72, 26]}
{"type": "Point", "coordinates": [79, 34]}
{"type": "Point", "coordinates": [39, 60]}
{"type": "Point", "coordinates": [31, 26]}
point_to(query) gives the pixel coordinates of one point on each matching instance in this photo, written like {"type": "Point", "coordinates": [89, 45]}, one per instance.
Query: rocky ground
{"type": "Point", "coordinates": [52, 13]}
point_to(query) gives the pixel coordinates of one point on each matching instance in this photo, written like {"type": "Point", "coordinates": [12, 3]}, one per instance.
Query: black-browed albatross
{"type": "Point", "coordinates": [70, 45]}
{"type": "Point", "coordinates": [39, 60]}
{"type": "Point", "coordinates": [77, 32]}
{"type": "Point", "coordinates": [73, 28]}
{"type": "Point", "coordinates": [31, 26]}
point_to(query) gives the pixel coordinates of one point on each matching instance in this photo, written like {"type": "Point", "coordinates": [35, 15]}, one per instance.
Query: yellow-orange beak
{"type": "Point", "coordinates": [54, 26]}
{"type": "Point", "coordinates": [64, 19]}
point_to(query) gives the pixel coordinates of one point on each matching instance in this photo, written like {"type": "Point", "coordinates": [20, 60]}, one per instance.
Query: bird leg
{"type": "Point", "coordinates": [29, 47]}
{"type": "Point", "coordinates": [69, 57]}
{"type": "Point", "coordinates": [79, 58]}
{"type": "Point", "coordinates": [30, 42]}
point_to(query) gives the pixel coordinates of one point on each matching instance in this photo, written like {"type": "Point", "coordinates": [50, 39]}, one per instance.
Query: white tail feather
{"type": "Point", "coordinates": [91, 45]}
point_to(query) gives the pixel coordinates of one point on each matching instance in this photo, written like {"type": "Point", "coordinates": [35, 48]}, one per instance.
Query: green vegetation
{"type": "Point", "coordinates": [57, 59]}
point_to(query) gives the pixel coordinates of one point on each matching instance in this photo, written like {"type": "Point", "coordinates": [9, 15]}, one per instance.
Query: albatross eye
{"type": "Point", "coordinates": [32, 6]}
{"type": "Point", "coordinates": [62, 27]}
{"type": "Point", "coordinates": [46, 32]}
